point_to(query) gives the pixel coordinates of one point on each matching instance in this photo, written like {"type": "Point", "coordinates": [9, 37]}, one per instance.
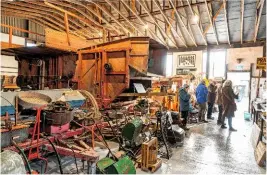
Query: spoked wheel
{"type": "Point", "coordinates": [90, 106]}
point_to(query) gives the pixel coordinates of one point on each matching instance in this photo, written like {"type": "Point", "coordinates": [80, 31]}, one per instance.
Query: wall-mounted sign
{"type": "Point", "coordinates": [187, 61]}
{"type": "Point", "coordinates": [184, 71]}
{"type": "Point", "coordinates": [261, 63]}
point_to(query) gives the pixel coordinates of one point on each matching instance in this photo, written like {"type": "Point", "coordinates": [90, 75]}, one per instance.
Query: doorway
{"type": "Point", "coordinates": [241, 85]}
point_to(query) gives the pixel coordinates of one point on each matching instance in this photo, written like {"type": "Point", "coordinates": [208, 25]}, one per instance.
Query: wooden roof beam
{"type": "Point", "coordinates": [211, 22]}
{"type": "Point", "coordinates": [72, 14]}
{"type": "Point", "coordinates": [31, 8]}
{"type": "Point", "coordinates": [93, 27]}
{"type": "Point", "coordinates": [258, 20]}
{"type": "Point", "coordinates": [51, 23]}
{"type": "Point", "coordinates": [129, 22]}
{"type": "Point", "coordinates": [183, 24]}
{"type": "Point", "coordinates": [42, 15]}
{"type": "Point", "coordinates": [41, 6]}
{"type": "Point", "coordinates": [96, 13]}
{"type": "Point", "coordinates": [126, 31]}
{"type": "Point", "coordinates": [226, 21]}
{"type": "Point", "coordinates": [163, 33]}
{"type": "Point", "coordinates": [214, 18]}
{"type": "Point", "coordinates": [32, 13]}
{"type": "Point", "coordinates": [36, 19]}
{"type": "Point", "coordinates": [20, 29]}
{"type": "Point", "coordinates": [242, 21]}
{"type": "Point", "coordinates": [201, 33]}
{"type": "Point", "coordinates": [44, 8]}
{"type": "Point", "coordinates": [144, 23]}
{"type": "Point", "coordinates": [170, 24]}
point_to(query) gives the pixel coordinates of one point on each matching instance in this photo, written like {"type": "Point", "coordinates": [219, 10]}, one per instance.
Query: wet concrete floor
{"type": "Point", "coordinates": [208, 149]}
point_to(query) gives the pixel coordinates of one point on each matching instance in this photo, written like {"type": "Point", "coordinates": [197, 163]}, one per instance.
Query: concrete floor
{"type": "Point", "coordinates": [208, 149]}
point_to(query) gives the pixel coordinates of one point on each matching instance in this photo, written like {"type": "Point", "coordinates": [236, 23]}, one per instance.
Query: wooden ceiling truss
{"type": "Point", "coordinates": [170, 22]}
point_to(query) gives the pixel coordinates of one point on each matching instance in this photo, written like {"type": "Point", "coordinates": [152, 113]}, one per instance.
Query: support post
{"type": "Point", "coordinates": [10, 36]}
{"type": "Point", "coordinates": [66, 21]}
{"type": "Point", "coordinates": [208, 63]}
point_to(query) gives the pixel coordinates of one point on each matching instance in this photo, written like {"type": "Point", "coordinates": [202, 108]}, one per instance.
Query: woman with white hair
{"type": "Point", "coordinates": [228, 102]}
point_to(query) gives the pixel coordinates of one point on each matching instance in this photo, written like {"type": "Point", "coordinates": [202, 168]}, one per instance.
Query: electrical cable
{"type": "Point", "coordinates": [74, 159]}
{"type": "Point", "coordinates": [24, 156]}
{"type": "Point", "coordinates": [8, 101]}
{"type": "Point", "coordinates": [57, 155]}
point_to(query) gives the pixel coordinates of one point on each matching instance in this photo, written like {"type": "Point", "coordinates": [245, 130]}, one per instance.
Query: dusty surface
{"type": "Point", "coordinates": [208, 149]}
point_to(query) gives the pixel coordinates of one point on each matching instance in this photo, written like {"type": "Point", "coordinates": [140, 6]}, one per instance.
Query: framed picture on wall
{"type": "Point", "coordinates": [187, 61]}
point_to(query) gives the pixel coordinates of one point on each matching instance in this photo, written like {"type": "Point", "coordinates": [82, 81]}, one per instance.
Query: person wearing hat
{"type": "Point", "coordinates": [184, 98]}
{"type": "Point", "coordinates": [201, 95]}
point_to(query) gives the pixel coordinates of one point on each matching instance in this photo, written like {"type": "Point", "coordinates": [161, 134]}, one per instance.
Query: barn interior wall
{"type": "Point", "coordinates": [198, 63]}
{"type": "Point", "coordinates": [248, 54]}
{"type": "Point", "coordinates": [9, 66]}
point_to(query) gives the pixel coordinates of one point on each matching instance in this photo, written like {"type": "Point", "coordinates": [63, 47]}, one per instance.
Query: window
{"type": "Point", "coordinates": [217, 63]}
{"type": "Point", "coordinates": [169, 62]}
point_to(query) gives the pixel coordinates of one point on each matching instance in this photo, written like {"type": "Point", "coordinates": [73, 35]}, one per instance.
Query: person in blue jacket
{"type": "Point", "coordinates": [201, 95]}
{"type": "Point", "coordinates": [184, 98]}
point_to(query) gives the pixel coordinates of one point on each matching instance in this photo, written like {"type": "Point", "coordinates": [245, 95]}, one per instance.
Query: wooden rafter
{"type": "Point", "coordinates": [201, 33]}
{"type": "Point", "coordinates": [122, 15]}
{"type": "Point", "coordinates": [43, 12]}
{"type": "Point", "coordinates": [60, 5]}
{"type": "Point", "coordinates": [211, 22]}
{"type": "Point", "coordinates": [164, 35]}
{"type": "Point", "coordinates": [66, 21]}
{"type": "Point", "coordinates": [242, 21]}
{"type": "Point", "coordinates": [126, 31]}
{"type": "Point", "coordinates": [38, 18]}
{"type": "Point", "coordinates": [214, 18]}
{"type": "Point", "coordinates": [42, 7]}
{"type": "Point", "coordinates": [183, 24]}
{"type": "Point", "coordinates": [166, 10]}
{"type": "Point", "coordinates": [74, 15]}
{"type": "Point", "coordinates": [20, 29]}
{"type": "Point", "coordinates": [35, 19]}
{"type": "Point", "coordinates": [144, 23]}
{"type": "Point", "coordinates": [96, 13]}
{"type": "Point", "coordinates": [170, 24]}
{"type": "Point", "coordinates": [29, 12]}
{"type": "Point", "coordinates": [258, 20]}
{"type": "Point", "coordinates": [226, 21]}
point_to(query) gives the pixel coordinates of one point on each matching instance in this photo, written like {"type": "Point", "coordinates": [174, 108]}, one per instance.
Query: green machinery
{"type": "Point", "coordinates": [131, 132]}
{"type": "Point", "coordinates": [124, 165]}
{"type": "Point", "coordinates": [109, 166]}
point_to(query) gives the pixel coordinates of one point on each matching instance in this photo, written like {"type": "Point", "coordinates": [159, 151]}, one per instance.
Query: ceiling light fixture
{"type": "Point", "coordinates": [146, 26]}
{"type": "Point", "coordinates": [196, 18]}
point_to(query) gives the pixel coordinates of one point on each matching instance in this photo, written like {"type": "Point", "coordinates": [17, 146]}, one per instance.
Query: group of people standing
{"type": "Point", "coordinates": [221, 94]}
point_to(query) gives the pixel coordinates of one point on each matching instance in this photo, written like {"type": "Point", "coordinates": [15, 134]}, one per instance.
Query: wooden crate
{"type": "Point", "coordinates": [260, 154]}
{"type": "Point", "coordinates": [149, 161]}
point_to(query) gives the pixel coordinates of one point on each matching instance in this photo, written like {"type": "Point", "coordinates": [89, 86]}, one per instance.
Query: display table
{"type": "Point", "coordinates": [263, 121]}
{"type": "Point", "coordinates": [256, 110]}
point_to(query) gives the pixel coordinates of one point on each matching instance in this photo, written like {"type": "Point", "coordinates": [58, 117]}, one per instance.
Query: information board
{"type": "Point", "coordinates": [261, 63]}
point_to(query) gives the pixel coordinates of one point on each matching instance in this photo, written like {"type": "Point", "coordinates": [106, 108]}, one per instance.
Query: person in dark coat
{"type": "Point", "coordinates": [201, 95]}
{"type": "Point", "coordinates": [229, 105]}
{"type": "Point", "coordinates": [211, 99]}
{"type": "Point", "coordinates": [219, 103]}
{"type": "Point", "coordinates": [184, 98]}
